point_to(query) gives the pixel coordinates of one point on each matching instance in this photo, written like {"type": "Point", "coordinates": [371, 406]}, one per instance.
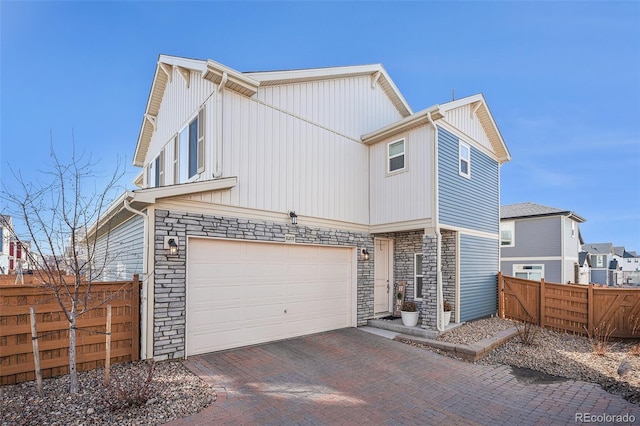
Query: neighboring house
{"type": "Point", "coordinates": [584, 268]}
{"type": "Point", "coordinates": [14, 254]}
{"type": "Point", "coordinates": [6, 231]}
{"type": "Point", "coordinates": [629, 266]}
{"type": "Point", "coordinates": [278, 204]}
{"type": "Point", "coordinates": [603, 265]}
{"type": "Point", "coordinates": [540, 242]}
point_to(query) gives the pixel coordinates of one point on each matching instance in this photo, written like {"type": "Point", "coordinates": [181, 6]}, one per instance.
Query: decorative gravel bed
{"type": "Point", "coordinates": [172, 393]}
{"type": "Point", "coordinates": [557, 354]}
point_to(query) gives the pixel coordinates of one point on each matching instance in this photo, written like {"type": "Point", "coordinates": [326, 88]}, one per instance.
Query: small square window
{"type": "Point", "coordinates": [396, 156]}
{"type": "Point", "coordinates": [506, 234]}
{"type": "Point", "coordinates": [464, 155]}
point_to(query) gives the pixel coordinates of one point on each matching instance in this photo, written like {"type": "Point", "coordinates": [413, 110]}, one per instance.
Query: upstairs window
{"type": "Point", "coordinates": [191, 152]}
{"type": "Point", "coordinates": [176, 159]}
{"type": "Point", "coordinates": [464, 154]}
{"type": "Point", "coordinates": [395, 155]}
{"type": "Point", "coordinates": [506, 234]}
{"type": "Point", "coordinates": [160, 169]}
{"type": "Point", "coordinates": [155, 175]}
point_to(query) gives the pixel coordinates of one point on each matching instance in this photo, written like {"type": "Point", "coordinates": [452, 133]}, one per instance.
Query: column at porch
{"type": "Point", "coordinates": [448, 259]}
{"type": "Point", "coordinates": [429, 270]}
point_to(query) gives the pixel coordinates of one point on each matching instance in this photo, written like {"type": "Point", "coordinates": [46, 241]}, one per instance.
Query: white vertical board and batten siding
{"type": "Point", "coordinates": [180, 104]}
{"type": "Point", "coordinates": [471, 126]}
{"type": "Point", "coordinates": [402, 196]}
{"type": "Point", "coordinates": [121, 251]}
{"type": "Point", "coordinates": [348, 106]}
{"type": "Point", "coordinates": [285, 163]}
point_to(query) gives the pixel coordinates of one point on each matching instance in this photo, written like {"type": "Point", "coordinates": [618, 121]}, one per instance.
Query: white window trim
{"type": "Point", "coordinates": [404, 154]}
{"type": "Point", "coordinates": [183, 160]}
{"type": "Point", "coordinates": [508, 226]}
{"type": "Point", "coordinates": [417, 275]}
{"type": "Point", "coordinates": [467, 160]}
{"type": "Point", "coordinates": [176, 158]}
{"type": "Point", "coordinates": [520, 268]}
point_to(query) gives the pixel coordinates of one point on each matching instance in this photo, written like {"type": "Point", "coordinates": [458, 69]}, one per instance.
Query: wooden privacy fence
{"type": "Point", "coordinates": [16, 351]}
{"type": "Point", "coordinates": [568, 307]}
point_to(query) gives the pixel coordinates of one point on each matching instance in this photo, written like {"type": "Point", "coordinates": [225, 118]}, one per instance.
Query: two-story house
{"type": "Point", "coordinates": [6, 232]}
{"type": "Point", "coordinates": [603, 265]}
{"type": "Point", "coordinates": [540, 242]}
{"type": "Point", "coordinates": [628, 266]}
{"type": "Point", "coordinates": [282, 203]}
{"type": "Point", "coordinates": [14, 253]}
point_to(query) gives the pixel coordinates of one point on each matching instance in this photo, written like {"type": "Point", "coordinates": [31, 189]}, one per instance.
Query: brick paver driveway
{"type": "Point", "coordinates": [353, 377]}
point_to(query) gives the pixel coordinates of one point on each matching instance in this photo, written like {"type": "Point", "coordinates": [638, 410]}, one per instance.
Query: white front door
{"type": "Point", "coordinates": [382, 276]}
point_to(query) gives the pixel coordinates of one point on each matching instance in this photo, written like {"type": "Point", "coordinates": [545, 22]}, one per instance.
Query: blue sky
{"type": "Point", "coordinates": [562, 80]}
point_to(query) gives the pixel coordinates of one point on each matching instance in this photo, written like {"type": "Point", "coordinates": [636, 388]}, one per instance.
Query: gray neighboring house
{"type": "Point", "coordinates": [629, 266]}
{"type": "Point", "coordinates": [603, 264]}
{"type": "Point", "coordinates": [538, 241]}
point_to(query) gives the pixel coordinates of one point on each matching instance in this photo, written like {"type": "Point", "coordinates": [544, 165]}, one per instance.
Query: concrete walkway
{"type": "Point", "coordinates": [353, 377]}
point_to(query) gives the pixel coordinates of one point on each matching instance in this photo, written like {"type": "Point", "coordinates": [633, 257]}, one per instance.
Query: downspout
{"type": "Point", "coordinates": [563, 278]}
{"type": "Point", "coordinates": [145, 274]}
{"type": "Point", "coordinates": [436, 219]}
{"type": "Point", "coordinates": [219, 125]}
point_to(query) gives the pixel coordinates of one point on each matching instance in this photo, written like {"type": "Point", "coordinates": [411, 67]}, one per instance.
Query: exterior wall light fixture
{"type": "Point", "coordinates": [365, 254]}
{"type": "Point", "coordinates": [294, 217]}
{"type": "Point", "coordinates": [171, 244]}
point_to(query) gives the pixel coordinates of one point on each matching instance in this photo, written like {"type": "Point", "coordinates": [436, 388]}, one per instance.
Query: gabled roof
{"type": "Point", "coordinates": [376, 71]}
{"type": "Point", "coordinates": [619, 251]}
{"type": "Point", "coordinates": [247, 84]}
{"type": "Point", "coordinates": [582, 257]}
{"type": "Point", "coordinates": [210, 70]}
{"type": "Point", "coordinates": [524, 210]}
{"type": "Point", "coordinates": [598, 248]}
{"type": "Point", "coordinates": [437, 112]}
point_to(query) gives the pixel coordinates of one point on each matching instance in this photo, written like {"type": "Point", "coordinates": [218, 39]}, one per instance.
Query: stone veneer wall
{"type": "Point", "coordinates": [448, 258]}
{"type": "Point", "coordinates": [429, 259]}
{"type": "Point", "coordinates": [170, 271]}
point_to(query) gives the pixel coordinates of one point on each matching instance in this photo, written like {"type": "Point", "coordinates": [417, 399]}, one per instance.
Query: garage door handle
{"type": "Point", "coordinates": [285, 311]}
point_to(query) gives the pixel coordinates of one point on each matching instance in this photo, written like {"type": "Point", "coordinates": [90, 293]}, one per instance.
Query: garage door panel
{"type": "Point", "coordinates": [264, 312]}
{"type": "Point", "coordinates": [265, 252]}
{"type": "Point", "coordinates": [334, 271]}
{"type": "Point", "coordinates": [238, 292]}
{"type": "Point", "coordinates": [260, 289]}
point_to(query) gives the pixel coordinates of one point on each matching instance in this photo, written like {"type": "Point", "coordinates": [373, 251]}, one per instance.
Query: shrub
{"type": "Point", "coordinates": [130, 390]}
{"type": "Point", "coordinates": [634, 322]}
{"type": "Point", "coordinates": [527, 332]}
{"type": "Point", "coordinates": [409, 307]}
{"type": "Point", "coordinates": [599, 339]}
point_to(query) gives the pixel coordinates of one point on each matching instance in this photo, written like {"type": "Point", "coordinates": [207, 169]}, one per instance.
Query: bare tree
{"type": "Point", "coordinates": [57, 212]}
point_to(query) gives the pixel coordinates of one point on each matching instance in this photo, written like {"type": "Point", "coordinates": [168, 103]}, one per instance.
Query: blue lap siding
{"type": "Point", "coordinates": [468, 203]}
{"type": "Point", "coordinates": [478, 277]}
{"type": "Point", "coordinates": [472, 204]}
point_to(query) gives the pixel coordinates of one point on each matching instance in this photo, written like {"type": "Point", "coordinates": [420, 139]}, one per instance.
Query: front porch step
{"type": "Point", "coordinates": [397, 326]}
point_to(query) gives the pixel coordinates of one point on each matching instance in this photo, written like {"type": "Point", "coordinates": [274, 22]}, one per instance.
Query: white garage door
{"type": "Point", "coordinates": [241, 293]}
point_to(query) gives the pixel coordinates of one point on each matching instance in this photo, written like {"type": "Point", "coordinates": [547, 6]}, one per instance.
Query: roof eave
{"type": "Point", "coordinates": [407, 123]}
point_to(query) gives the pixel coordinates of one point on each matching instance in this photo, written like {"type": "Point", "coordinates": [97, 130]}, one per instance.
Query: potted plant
{"type": "Point", "coordinates": [409, 314]}
{"type": "Point", "coordinates": [447, 312]}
